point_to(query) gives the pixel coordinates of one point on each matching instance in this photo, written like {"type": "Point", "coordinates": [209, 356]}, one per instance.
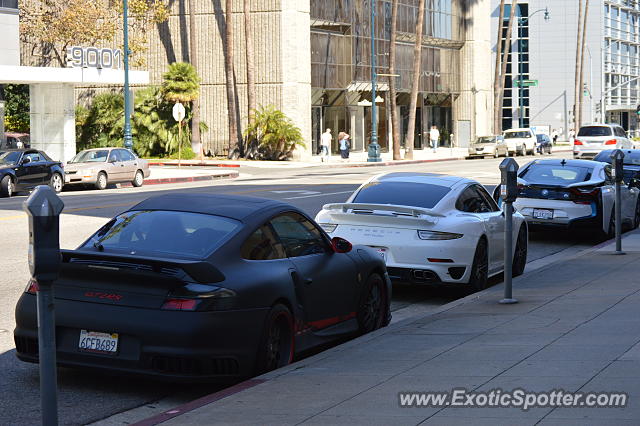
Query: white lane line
{"type": "Point", "coordinates": [320, 195]}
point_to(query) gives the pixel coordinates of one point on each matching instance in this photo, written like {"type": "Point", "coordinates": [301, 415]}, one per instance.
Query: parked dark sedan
{"type": "Point", "coordinates": [631, 164]}
{"type": "Point", "coordinates": [24, 169]}
{"type": "Point", "coordinates": [544, 144]}
{"type": "Point", "coordinates": [207, 287]}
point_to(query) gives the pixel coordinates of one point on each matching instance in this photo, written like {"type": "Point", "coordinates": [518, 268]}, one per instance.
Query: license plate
{"type": "Point", "coordinates": [102, 343]}
{"type": "Point", "coordinates": [542, 214]}
{"type": "Point", "coordinates": [382, 252]}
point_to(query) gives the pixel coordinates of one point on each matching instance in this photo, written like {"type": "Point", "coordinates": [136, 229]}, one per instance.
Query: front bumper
{"type": "Point", "coordinates": [171, 345]}
{"type": "Point", "coordinates": [79, 179]}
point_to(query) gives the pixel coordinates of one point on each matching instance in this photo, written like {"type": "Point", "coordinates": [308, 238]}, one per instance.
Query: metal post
{"type": "Point", "coordinates": [520, 77]}
{"type": "Point", "coordinates": [374, 147]}
{"type": "Point", "coordinates": [566, 119]}
{"type": "Point", "coordinates": [47, 354]}
{"type": "Point", "coordinates": [618, 208]}
{"type": "Point", "coordinates": [508, 254]}
{"type": "Point", "coordinates": [179, 144]}
{"type": "Point", "coordinates": [128, 139]}
{"type": "Point", "coordinates": [617, 169]}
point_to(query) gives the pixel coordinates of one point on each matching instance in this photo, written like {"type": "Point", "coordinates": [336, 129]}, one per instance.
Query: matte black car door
{"type": "Point", "coordinates": [29, 174]}
{"type": "Point", "coordinates": [325, 281]}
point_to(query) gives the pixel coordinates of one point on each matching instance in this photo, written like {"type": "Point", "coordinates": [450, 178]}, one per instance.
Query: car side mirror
{"type": "Point", "coordinates": [26, 160]}
{"type": "Point", "coordinates": [340, 245]}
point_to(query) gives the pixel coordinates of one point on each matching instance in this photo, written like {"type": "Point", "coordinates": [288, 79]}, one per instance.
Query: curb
{"type": "Point", "coordinates": [164, 181]}
{"type": "Point", "coordinates": [190, 164]}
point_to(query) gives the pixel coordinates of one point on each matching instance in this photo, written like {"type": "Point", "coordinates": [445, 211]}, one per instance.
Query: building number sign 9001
{"type": "Point", "coordinates": [92, 57]}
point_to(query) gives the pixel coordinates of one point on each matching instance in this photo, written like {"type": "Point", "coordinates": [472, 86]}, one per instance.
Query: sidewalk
{"type": "Point", "coordinates": [164, 175]}
{"type": "Point", "coordinates": [576, 328]}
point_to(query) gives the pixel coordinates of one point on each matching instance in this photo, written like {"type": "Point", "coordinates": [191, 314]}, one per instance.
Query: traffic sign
{"type": "Point", "coordinates": [178, 112]}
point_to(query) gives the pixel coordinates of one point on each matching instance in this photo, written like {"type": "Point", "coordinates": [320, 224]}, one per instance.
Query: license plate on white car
{"type": "Point", "coordinates": [542, 214]}
{"type": "Point", "coordinates": [96, 342]}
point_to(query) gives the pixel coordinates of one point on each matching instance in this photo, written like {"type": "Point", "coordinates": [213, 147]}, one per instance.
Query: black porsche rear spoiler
{"type": "Point", "coordinates": [199, 270]}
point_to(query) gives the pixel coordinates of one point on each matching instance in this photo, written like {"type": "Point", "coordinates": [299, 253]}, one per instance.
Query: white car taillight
{"type": "Point", "coordinates": [434, 235]}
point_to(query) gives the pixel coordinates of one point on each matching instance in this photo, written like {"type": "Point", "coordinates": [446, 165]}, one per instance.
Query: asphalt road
{"type": "Point", "coordinates": [85, 396]}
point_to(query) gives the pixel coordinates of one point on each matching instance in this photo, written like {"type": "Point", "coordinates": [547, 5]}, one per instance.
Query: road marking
{"type": "Point", "coordinates": [319, 195]}
{"type": "Point", "coordinates": [303, 192]}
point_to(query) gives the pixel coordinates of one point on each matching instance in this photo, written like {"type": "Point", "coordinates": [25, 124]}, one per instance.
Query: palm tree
{"type": "Point", "coordinates": [577, 93]}
{"type": "Point", "coordinates": [395, 121]}
{"type": "Point", "coordinates": [234, 146]}
{"type": "Point", "coordinates": [583, 45]}
{"type": "Point", "coordinates": [497, 78]}
{"type": "Point", "coordinates": [505, 59]}
{"type": "Point", "coordinates": [251, 79]}
{"type": "Point", "coordinates": [415, 86]}
{"type": "Point", "coordinates": [195, 105]}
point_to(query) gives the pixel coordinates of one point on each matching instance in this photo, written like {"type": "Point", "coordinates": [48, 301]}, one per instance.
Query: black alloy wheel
{"type": "Point", "coordinates": [276, 346]}
{"type": "Point", "coordinates": [6, 187]}
{"type": "Point", "coordinates": [371, 310]}
{"type": "Point", "coordinates": [520, 255]}
{"type": "Point", "coordinates": [480, 267]}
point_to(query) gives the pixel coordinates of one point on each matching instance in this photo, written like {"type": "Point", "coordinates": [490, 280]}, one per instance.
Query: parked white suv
{"type": "Point", "coordinates": [520, 141]}
{"type": "Point", "coordinates": [593, 138]}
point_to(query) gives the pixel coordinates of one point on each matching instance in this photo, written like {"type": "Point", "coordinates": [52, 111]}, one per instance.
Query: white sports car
{"type": "Point", "coordinates": [430, 229]}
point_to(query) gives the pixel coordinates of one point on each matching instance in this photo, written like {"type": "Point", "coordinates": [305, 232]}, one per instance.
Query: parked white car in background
{"type": "Point", "coordinates": [429, 228]}
{"type": "Point", "coordinates": [520, 141]}
{"type": "Point", "coordinates": [593, 138]}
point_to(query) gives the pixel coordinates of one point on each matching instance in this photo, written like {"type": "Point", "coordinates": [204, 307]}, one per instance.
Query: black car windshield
{"type": "Point", "coordinates": [595, 131]}
{"type": "Point", "coordinates": [9, 157]}
{"type": "Point", "coordinates": [552, 174]}
{"type": "Point", "coordinates": [485, 139]}
{"type": "Point", "coordinates": [401, 194]}
{"type": "Point", "coordinates": [99, 156]}
{"type": "Point", "coordinates": [514, 135]}
{"type": "Point", "coordinates": [158, 232]}
{"type": "Point", "coordinates": [631, 158]}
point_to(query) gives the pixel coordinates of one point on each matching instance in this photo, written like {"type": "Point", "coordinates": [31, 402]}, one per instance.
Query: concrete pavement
{"type": "Point", "coordinates": [576, 328]}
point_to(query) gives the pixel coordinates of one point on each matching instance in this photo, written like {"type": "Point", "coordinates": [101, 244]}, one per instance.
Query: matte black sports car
{"type": "Point", "coordinates": [24, 169]}
{"type": "Point", "coordinates": [630, 166]}
{"type": "Point", "coordinates": [207, 287]}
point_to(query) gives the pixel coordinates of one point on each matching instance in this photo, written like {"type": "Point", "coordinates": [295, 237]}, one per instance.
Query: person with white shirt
{"type": "Point", "coordinates": [325, 145]}
{"type": "Point", "coordinates": [434, 136]}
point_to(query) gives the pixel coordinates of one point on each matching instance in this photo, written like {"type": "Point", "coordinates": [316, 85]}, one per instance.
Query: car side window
{"type": "Point", "coordinates": [298, 235]}
{"type": "Point", "coordinates": [491, 204]}
{"type": "Point", "coordinates": [114, 156]}
{"type": "Point", "coordinates": [619, 131]}
{"type": "Point", "coordinates": [33, 157]}
{"type": "Point", "coordinates": [262, 245]}
{"type": "Point", "coordinates": [125, 155]}
{"type": "Point", "coordinates": [470, 201]}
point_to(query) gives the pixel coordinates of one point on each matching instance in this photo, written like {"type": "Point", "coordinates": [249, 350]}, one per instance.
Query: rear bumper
{"type": "Point", "coordinates": [567, 214]}
{"type": "Point", "coordinates": [171, 345]}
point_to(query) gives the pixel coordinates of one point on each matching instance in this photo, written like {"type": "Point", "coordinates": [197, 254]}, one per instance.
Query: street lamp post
{"type": "Point", "coordinates": [128, 139]}
{"type": "Point", "coordinates": [374, 147]}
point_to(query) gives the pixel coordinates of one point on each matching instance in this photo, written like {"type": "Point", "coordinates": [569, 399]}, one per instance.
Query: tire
{"type": "Point", "coordinates": [371, 307]}
{"type": "Point", "coordinates": [6, 187]}
{"type": "Point", "coordinates": [102, 181]}
{"type": "Point", "coordinates": [138, 180]}
{"type": "Point", "coordinates": [520, 254]}
{"type": "Point", "coordinates": [56, 183]}
{"type": "Point", "coordinates": [480, 268]}
{"type": "Point", "coordinates": [522, 152]}
{"type": "Point", "coordinates": [636, 217]}
{"type": "Point", "coordinates": [276, 347]}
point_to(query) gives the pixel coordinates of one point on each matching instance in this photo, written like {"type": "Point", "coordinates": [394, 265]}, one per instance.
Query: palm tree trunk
{"type": "Point", "coordinates": [395, 120]}
{"type": "Point", "coordinates": [505, 59]}
{"type": "Point", "coordinates": [251, 79]}
{"type": "Point", "coordinates": [234, 147]}
{"type": "Point", "coordinates": [582, 48]}
{"type": "Point", "coordinates": [497, 78]}
{"type": "Point", "coordinates": [578, 89]}
{"type": "Point", "coordinates": [415, 86]}
{"type": "Point", "coordinates": [196, 144]}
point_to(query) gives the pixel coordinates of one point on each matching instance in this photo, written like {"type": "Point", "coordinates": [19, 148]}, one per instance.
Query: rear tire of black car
{"type": "Point", "coordinates": [56, 183]}
{"type": "Point", "coordinates": [636, 217]}
{"type": "Point", "coordinates": [480, 268]}
{"type": "Point", "coordinates": [520, 254]}
{"type": "Point", "coordinates": [138, 180]}
{"type": "Point", "coordinates": [276, 345]}
{"type": "Point", "coordinates": [372, 307]}
{"type": "Point", "coordinates": [6, 187]}
{"type": "Point", "coordinates": [102, 181]}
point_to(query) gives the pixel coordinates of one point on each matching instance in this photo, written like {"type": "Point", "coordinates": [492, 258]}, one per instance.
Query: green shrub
{"type": "Point", "coordinates": [273, 136]}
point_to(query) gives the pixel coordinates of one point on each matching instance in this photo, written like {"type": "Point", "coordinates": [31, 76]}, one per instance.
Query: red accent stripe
{"type": "Point", "coordinates": [327, 322]}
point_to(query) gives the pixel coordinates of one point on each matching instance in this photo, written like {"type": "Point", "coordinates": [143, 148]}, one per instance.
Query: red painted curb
{"type": "Point", "coordinates": [200, 402]}
{"type": "Point", "coordinates": [183, 179]}
{"type": "Point", "coordinates": [164, 163]}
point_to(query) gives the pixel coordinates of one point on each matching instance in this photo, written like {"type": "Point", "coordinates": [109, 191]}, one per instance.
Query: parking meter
{"type": "Point", "coordinates": [43, 208]}
{"type": "Point", "coordinates": [617, 162]}
{"type": "Point", "coordinates": [508, 193]}
{"type": "Point", "coordinates": [509, 180]}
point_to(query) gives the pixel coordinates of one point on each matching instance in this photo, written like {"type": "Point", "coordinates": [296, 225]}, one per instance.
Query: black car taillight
{"type": "Point", "coordinates": [586, 195]}
{"type": "Point", "coordinates": [172, 304]}
{"type": "Point", "coordinates": [199, 297]}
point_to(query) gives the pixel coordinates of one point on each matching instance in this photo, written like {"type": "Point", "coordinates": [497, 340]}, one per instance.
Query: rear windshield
{"type": "Point", "coordinates": [514, 135]}
{"type": "Point", "coordinates": [157, 232]}
{"type": "Point", "coordinates": [549, 174]}
{"type": "Point", "coordinates": [595, 131]}
{"type": "Point", "coordinates": [401, 194]}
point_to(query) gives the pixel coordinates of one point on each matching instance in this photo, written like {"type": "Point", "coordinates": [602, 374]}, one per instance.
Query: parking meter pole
{"type": "Point", "coordinates": [618, 208]}
{"type": "Point", "coordinates": [508, 194]}
{"type": "Point", "coordinates": [617, 157]}
{"type": "Point", "coordinates": [43, 208]}
{"type": "Point", "coordinates": [47, 354]}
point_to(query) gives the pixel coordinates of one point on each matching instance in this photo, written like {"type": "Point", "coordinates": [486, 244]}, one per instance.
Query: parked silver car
{"type": "Point", "coordinates": [101, 166]}
{"type": "Point", "coordinates": [484, 146]}
{"type": "Point", "coordinates": [594, 138]}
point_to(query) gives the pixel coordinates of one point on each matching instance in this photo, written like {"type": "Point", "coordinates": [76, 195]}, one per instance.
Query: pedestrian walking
{"type": "Point", "coordinates": [554, 135]}
{"type": "Point", "coordinates": [325, 145]}
{"type": "Point", "coordinates": [343, 140]}
{"type": "Point", "coordinates": [572, 136]}
{"type": "Point", "coordinates": [434, 137]}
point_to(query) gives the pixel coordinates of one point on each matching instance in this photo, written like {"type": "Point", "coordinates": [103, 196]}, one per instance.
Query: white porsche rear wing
{"type": "Point", "coordinates": [381, 214]}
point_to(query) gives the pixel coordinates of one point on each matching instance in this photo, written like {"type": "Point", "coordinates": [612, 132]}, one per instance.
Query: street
{"type": "Point", "coordinates": [85, 396]}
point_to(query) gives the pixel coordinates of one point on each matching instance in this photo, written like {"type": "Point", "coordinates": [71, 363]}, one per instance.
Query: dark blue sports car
{"type": "Point", "coordinates": [24, 169]}
{"type": "Point", "coordinates": [207, 287]}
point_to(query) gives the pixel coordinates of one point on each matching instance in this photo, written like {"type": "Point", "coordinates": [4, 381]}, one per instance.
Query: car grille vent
{"type": "Point", "coordinates": [354, 211]}
{"type": "Point", "coordinates": [25, 345]}
{"type": "Point", "coordinates": [174, 272]}
{"type": "Point", "coordinates": [191, 366]}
